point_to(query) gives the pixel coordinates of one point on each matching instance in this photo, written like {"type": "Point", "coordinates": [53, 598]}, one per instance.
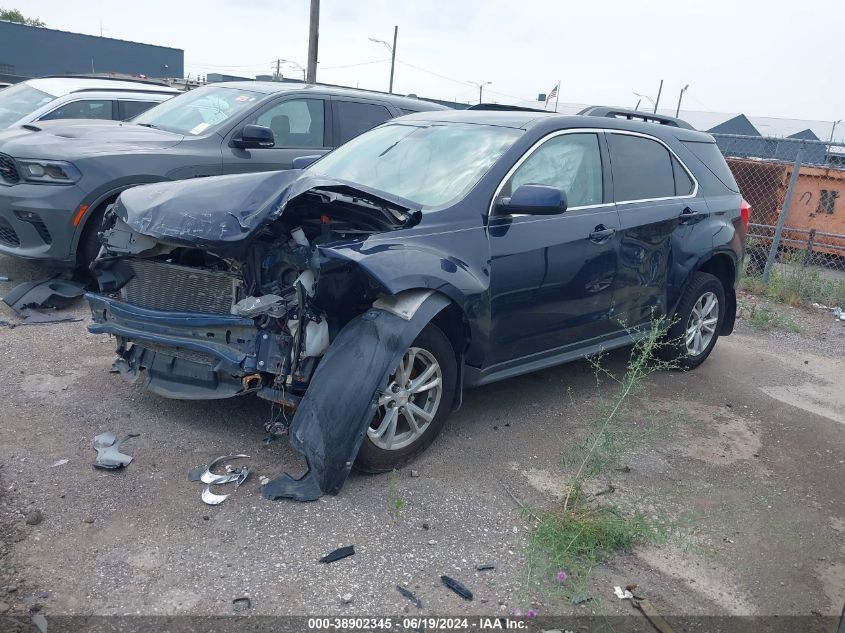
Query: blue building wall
{"type": "Point", "coordinates": [29, 51]}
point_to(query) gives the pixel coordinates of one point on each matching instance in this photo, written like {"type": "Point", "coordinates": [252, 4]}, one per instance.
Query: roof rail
{"type": "Point", "coordinates": [635, 115]}
{"type": "Point", "coordinates": [128, 78]}
{"type": "Point", "coordinates": [503, 107]}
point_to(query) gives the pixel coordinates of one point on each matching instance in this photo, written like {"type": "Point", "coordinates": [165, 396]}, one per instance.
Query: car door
{"type": "Point", "coordinates": [655, 196]}
{"type": "Point", "coordinates": [552, 276]}
{"type": "Point", "coordinates": [300, 128]}
{"type": "Point", "coordinates": [352, 117]}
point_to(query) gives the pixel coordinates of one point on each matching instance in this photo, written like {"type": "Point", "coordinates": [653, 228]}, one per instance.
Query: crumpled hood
{"type": "Point", "coordinates": [67, 140]}
{"type": "Point", "coordinates": [228, 209]}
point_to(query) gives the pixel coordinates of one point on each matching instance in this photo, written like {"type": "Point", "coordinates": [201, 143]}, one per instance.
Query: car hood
{"type": "Point", "coordinates": [66, 140]}
{"type": "Point", "coordinates": [223, 210]}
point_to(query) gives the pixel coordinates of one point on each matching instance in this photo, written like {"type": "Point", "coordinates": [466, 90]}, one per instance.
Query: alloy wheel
{"type": "Point", "coordinates": [701, 326]}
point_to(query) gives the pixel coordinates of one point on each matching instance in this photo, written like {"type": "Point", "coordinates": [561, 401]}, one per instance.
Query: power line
{"type": "Point", "coordinates": [431, 72]}
{"type": "Point", "coordinates": [375, 61]}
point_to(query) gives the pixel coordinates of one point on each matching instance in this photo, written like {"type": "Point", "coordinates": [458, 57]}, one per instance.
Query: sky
{"type": "Point", "coordinates": [777, 58]}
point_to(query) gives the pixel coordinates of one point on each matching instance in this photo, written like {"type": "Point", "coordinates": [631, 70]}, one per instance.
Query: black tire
{"type": "Point", "coordinates": [375, 459]}
{"type": "Point", "coordinates": [89, 242]}
{"type": "Point", "coordinates": [674, 347]}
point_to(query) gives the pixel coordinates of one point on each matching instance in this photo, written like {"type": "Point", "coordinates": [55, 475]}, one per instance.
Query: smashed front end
{"type": "Point", "coordinates": [226, 286]}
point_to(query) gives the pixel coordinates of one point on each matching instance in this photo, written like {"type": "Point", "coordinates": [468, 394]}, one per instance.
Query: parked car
{"type": "Point", "coordinates": [437, 252]}
{"type": "Point", "coordinates": [52, 98]}
{"type": "Point", "coordinates": [57, 179]}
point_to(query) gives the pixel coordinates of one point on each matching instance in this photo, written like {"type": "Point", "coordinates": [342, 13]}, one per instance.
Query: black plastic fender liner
{"type": "Point", "coordinates": [341, 400]}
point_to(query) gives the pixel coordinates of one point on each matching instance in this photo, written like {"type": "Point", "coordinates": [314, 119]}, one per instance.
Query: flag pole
{"type": "Point", "coordinates": [557, 96]}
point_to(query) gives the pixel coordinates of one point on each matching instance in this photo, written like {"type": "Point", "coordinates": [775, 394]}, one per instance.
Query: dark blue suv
{"type": "Point", "coordinates": [439, 251]}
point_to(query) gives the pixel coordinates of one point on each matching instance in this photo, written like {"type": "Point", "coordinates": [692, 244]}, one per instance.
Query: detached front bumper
{"type": "Point", "coordinates": [36, 221]}
{"type": "Point", "coordinates": [189, 355]}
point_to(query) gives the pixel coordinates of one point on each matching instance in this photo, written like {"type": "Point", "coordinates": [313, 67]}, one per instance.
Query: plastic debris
{"type": "Point", "coordinates": [457, 587]}
{"type": "Point", "coordinates": [108, 446]}
{"type": "Point", "coordinates": [338, 554]}
{"type": "Point", "coordinates": [205, 475]}
{"type": "Point", "coordinates": [61, 462]}
{"type": "Point", "coordinates": [212, 499]}
{"type": "Point", "coordinates": [347, 598]}
{"type": "Point", "coordinates": [410, 596]}
{"type": "Point", "coordinates": [622, 594]}
{"type": "Point", "coordinates": [485, 566]}
{"type": "Point", "coordinates": [26, 298]}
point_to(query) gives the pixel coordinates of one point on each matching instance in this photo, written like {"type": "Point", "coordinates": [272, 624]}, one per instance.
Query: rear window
{"type": "Point", "coordinates": [711, 156]}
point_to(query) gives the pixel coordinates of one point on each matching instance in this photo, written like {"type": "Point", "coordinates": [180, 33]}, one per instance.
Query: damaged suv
{"type": "Point", "coordinates": [439, 251]}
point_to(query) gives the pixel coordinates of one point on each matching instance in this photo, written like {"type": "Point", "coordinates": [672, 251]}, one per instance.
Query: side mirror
{"type": "Point", "coordinates": [301, 162]}
{"type": "Point", "coordinates": [255, 136]}
{"type": "Point", "coordinates": [534, 200]}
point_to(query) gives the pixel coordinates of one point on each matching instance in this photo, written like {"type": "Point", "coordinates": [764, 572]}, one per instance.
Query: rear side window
{"type": "Point", "coordinates": [130, 109]}
{"type": "Point", "coordinates": [642, 168]}
{"type": "Point", "coordinates": [683, 183]}
{"type": "Point", "coordinates": [711, 156]}
{"type": "Point", "coordinates": [355, 118]}
{"type": "Point", "coordinates": [83, 109]}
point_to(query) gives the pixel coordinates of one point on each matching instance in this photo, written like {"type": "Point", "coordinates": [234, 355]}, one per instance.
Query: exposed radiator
{"type": "Point", "coordinates": [172, 288]}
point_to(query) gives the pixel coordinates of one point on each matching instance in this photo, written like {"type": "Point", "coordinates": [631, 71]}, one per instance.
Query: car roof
{"type": "Point", "coordinates": [60, 86]}
{"type": "Point", "coordinates": [550, 121]}
{"type": "Point", "coordinates": [276, 87]}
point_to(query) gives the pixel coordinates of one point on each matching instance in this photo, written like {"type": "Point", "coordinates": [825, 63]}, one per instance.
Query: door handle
{"type": "Point", "coordinates": [688, 216]}
{"type": "Point", "coordinates": [601, 233]}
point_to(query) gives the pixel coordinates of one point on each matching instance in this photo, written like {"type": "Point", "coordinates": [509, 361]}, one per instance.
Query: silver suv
{"type": "Point", "coordinates": [51, 98]}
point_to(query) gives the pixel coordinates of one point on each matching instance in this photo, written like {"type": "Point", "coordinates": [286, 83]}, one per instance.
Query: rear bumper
{"type": "Point", "coordinates": [36, 221]}
{"type": "Point", "coordinates": [189, 355]}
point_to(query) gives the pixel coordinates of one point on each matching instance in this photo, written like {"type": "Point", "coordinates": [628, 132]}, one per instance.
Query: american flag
{"type": "Point", "coordinates": [552, 94]}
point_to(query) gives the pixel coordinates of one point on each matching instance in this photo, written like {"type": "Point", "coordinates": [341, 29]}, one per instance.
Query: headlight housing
{"type": "Point", "coordinates": [51, 172]}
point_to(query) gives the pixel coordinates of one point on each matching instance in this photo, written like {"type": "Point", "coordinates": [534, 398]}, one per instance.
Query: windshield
{"type": "Point", "coordinates": [199, 110]}
{"type": "Point", "coordinates": [19, 100]}
{"type": "Point", "coordinates": [431, 164]}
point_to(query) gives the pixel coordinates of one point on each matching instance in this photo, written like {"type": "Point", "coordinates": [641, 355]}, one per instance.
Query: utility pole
{"type": "Point", "coordinates": [278, 70]}
{"type": "Point", "coordinates": [659, 90]}
{"type": "Point", "coordinates": [680, 96]}
{"type": "Point", "coordinates": [833, 129]}
{"type": "Point", "coordinates": [313, 37]}
{"type": "Point", "coordinates": [393, 56]}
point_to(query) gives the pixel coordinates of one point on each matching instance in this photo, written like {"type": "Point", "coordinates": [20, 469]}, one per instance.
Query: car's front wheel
{"type": "Point", "coordinates": [697, 322]}
{"type": "Point", "coordinates": [414, 405]}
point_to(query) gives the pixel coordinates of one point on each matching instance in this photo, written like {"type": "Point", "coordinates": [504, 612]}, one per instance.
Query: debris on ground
{"type": "Point", "coordinates": [239, 605]}
{"type": "Point", "coordinates": [623, 594]}
{"type": "Point", "coordinates": [347, 598]}
{"type": "Point", "coordinates": [415, 473]}
{"type": "Point", "coordinates": [34, 517]}
{"type": "Point", "coordinates": [40, 621]}
{"type": "Point", "coordinates": [61, 462]}
{"type": "Point", "coordinates": [29, 298]}
{"type": "Point", "coordinates": [485, 566]}
{"type": "Point", "coordinates": [410, 596]}
{"type": "Point", "coordinates": [457, 587]}
{"type": "Point", "coordinates": [341, 552]}
{"type": "Point", "coordinates": [233, 475]}
{"type": "Point", "coordinates": [653, 616]}
{"type": "Point", "coordinates": [108, 450]}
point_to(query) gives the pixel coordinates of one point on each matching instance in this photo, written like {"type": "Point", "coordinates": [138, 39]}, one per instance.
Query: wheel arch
{"type": "Point", "coordinates": [723, 266]}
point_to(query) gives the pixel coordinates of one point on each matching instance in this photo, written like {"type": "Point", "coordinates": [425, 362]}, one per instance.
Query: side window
{"type": "Point", "coordinates": [571, 162]}
{"type": "Point", "coordinates": [683, 183]}
{"type": "Point", "coordinates": [642, 168]}
{"type": "Point", "coordinates": [83, 109]}
{"type": "Point", "coordinates": [355, 118]}
{"type": "Point", "coordinates": [296, 122]}
{"type": "Point", "coordinates": [130, 109]}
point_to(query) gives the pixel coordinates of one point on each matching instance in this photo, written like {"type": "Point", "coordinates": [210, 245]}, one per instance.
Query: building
{"type": "Point", "coordinates": [31, 51]}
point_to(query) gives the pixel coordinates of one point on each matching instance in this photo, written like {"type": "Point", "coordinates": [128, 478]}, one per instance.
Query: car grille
{"type": "Point", "coordinates": [7, 234]}
{"type": "Point", "coordinates": [8, 171]}
{"type": "Point", "coordinates": [172, 288]}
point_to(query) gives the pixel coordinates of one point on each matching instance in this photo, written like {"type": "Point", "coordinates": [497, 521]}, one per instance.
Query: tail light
{"type": "Point", "coordinates": [745, 213]}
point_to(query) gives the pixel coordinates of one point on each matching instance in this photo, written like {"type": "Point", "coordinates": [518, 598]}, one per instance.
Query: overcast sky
{"type": "Point", "coordinates": [775, 58]}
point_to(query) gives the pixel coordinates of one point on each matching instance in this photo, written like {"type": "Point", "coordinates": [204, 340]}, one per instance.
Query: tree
{"type": "Point", "coordinates": [13, 15]}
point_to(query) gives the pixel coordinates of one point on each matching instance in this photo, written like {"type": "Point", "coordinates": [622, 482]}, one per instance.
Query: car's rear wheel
{"type": "Point", "coordinates": [413, 406]}
{"type": "Point", "coordinates": [698, 319]}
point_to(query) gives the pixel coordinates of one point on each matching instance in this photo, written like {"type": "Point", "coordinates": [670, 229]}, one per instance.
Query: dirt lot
{"type": "Point", "coordinates": [752, 455]}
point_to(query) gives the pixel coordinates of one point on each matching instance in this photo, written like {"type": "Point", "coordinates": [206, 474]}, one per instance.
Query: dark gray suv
{"type": "Point", "coordinates": [58, 177]}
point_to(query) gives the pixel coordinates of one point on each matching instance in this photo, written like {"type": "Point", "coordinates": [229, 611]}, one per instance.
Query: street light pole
{"type": "Point", "coordinates": [647, 98]}
{"type": "Point", "coordinates": [392, 50]}
{"type": "Point", "coordinates": [313, 40]}
{"type": "Point", "coordinates": [480, 88]}
{"type": "Point", "coordinates": [680, 96]}
{"type": "Point", "coordinates": [833, 129]}
{"type": "Point", "coordinates": [659, 91]}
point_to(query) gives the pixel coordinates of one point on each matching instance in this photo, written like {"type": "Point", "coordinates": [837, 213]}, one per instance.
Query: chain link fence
{"type": "Point", "coordinates": [796, 240]}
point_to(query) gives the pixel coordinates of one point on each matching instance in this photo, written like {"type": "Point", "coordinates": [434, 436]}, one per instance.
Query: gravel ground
{"type": "Point", "coordinates": [754, 454]}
